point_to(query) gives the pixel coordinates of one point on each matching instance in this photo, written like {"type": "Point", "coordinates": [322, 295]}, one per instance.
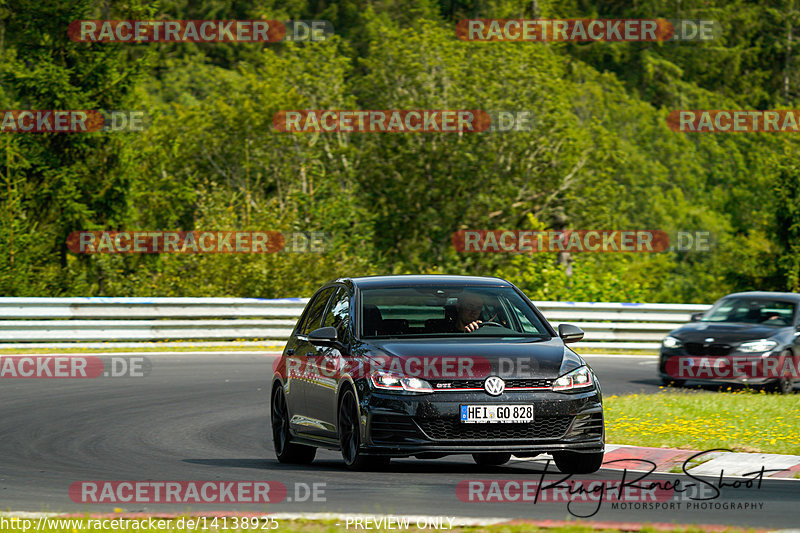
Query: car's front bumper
{"type": "Point", "coordinates": [402, 425]}
{"type": "Point", "coordinates": [721, 369]}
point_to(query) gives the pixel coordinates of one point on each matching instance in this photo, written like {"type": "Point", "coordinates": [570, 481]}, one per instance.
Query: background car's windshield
{"type": "Point", "coordinates": [752, 311]}
{"type": "Point", "coordinates": [439, 311]}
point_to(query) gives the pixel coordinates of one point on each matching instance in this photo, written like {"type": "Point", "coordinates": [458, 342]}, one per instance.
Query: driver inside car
{"type": "Point", "coordinates": [468, 310]}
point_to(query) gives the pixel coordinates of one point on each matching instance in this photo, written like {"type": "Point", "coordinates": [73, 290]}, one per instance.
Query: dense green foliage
{"type": "Point", "coordinates": [601, 154]}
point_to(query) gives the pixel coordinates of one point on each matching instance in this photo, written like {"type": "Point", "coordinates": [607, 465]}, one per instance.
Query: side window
{"type": "Point", "coordinates": [524, 322]}
{"type": "Point", "coordinates": [315, 309]}
{"type": "Point", "coordinates": [338, 315]}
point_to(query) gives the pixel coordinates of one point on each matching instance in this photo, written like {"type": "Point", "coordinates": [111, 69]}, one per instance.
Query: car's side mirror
{"type": "Point", "coordinates": [324, 337]}
{"type": "Point", "coordinates": [569, 333]}
{"type": "Point", "coordinates": [696, 317]}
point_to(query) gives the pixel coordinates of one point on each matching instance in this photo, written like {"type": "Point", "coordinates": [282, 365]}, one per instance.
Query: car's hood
{"type": "Point", "coordinates": [723, 333]}
{"type": "Point", "coordinates": [507, 358]}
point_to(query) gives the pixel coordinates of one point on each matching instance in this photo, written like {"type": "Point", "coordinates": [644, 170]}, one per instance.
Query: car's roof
{"type": "Point", "coordinates": [379, 282]}
{"type": "Point", "coordinates": [761, 295]}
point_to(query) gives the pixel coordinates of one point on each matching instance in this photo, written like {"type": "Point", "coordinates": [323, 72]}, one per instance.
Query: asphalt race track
{"type": "Point", "coordinates": [205, 417]}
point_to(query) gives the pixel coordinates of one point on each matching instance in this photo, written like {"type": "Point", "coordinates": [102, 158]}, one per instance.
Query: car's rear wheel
{"type": "Point", "coordinates": [350, 436]}
{"type": "Point", "coordinates": [491, 459]}
{"type": "Point", "coordinates": [578, 463]}
{"type": "Point", "coordinates": [285, 449]}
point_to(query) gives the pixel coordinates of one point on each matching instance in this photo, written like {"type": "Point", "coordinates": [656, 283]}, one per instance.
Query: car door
{"type": "Point", "coordinates": [328, 365]}
{"type": "Point", "coordinates": [298, 357]}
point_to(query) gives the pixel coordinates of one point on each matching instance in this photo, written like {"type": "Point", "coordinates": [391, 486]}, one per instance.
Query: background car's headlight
{"type": "Point", "coordinates": [762, 345]}
{"type": "Point", "coordinates": [670, 342]}
{"type": "Point", "coordinates": [580, 378]}
{"type": "Point", "coordinates": [390, 381]}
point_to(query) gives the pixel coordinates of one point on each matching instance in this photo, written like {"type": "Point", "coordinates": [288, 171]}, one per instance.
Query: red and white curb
{"type": "Point", "coordinates": [730, 464]}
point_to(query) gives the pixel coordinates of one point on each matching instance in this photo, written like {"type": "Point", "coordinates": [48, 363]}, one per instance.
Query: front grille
{"type": "Point", "coordinates": [696, 348]}
{"type": "Point", "coordinates": [388, 428]}
{"type": "Point", "coordinates": [552, 427]}
{"type": "Point", "coordinates": [444, 384]}
{"type": "Point", "coordinates": [528, 383]}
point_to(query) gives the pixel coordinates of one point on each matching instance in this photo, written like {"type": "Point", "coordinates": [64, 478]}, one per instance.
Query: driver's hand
{"type": "Point", "coordinates": [472, 326]}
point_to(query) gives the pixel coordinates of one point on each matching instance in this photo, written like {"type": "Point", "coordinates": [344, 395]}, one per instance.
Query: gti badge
{"type": "Point", "coordinates": [494, 386]}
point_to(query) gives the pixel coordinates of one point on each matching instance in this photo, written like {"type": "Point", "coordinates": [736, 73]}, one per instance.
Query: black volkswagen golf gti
{"type": "Point", "coordinates": [428, 366]}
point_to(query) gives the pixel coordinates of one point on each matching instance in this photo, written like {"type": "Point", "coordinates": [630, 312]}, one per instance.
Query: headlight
{"type": "Point", "coordinates": [762, 345]}
{"type": "Point", "coordinates": [580, 378]}
{"type": "Point", "coordinates": [670, 342]}
{"type": "Point", "coordinates": [389, 381]}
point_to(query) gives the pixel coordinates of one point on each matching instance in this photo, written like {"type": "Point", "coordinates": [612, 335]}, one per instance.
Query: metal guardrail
{"type": "Point", "coordinates": [66, 320]}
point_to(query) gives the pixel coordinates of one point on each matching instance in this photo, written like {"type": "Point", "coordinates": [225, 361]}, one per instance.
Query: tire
{"type": "Point", "coordinates": [350, 436]}
{"type": "Point", "coordinates": [669, 382]}
{"type": "Point", "coordinates": [578, 463]}
{"type": "Point", "coordinates": [782, 385]}
{"type": "Point", "coordinates": [285, 450]}
{"type": "Point", "coordinates": [491, 459]}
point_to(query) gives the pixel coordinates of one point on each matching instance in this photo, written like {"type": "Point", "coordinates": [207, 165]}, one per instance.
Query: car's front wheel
{"type": "Point", "coordinates": [350, 436]}
{"type": "Point", "coordinates": [781, 386]}
{"type": "Point", "coordinates": [491, 459]}
{"type": "Point", "coordinates": [285, 449]}
{"type": "Point", "coordinates": [578, 463]}
{"type": "Point", "coordinates": [785, 384]}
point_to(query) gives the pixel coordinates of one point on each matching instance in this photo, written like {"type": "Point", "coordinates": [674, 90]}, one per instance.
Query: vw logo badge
{"type": "Point", "coordinates": [494, 386]}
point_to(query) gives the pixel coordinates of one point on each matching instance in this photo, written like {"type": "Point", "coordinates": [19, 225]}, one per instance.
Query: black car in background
{"type": "Point", "coordinates": [428, 366]}
{"type": "Point", "coordinates": [747, 337]}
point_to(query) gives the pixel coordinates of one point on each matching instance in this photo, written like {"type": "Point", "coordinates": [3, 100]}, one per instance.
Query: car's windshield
{"type": "Point", "coordinates": [447, 311]}
{"type": "Point", "coordinates": [752, 311]}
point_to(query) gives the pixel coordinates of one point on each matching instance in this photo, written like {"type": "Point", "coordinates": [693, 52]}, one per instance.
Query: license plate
{"type": "Point", "coordinates": [498, 414]}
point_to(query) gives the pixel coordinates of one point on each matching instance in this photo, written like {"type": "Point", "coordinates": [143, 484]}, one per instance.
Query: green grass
{"type": "Point", "coordinates": [745, 421]}
{"type": "Point", "coordinates": [293, 526]}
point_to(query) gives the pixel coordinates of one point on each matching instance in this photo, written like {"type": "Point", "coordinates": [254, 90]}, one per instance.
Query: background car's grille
{"type": "Point", "coordinates": [552, 427]}
{"type": "Point", "coordinates": [444, 384]}
{"type": "Point", "coordinates": [696, 348]}
{"type": "Point", "coordinates": [387, 428]}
